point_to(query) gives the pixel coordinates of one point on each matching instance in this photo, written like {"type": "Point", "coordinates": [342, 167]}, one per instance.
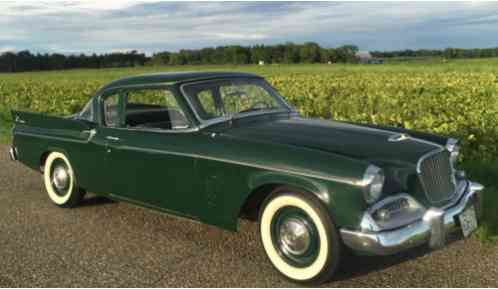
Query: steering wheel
{"type": "Point", "coordinates": [257, 106]}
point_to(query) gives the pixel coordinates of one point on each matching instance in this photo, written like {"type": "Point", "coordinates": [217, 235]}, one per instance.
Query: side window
{"type": "Point", "coordinates": [206, 99]}
{"type": "Point", "coordinates": [151, 98]}
{"type": "Point", "coordinates": [154, 109]}
{"type": "Point", "coordinates": [111, 110]}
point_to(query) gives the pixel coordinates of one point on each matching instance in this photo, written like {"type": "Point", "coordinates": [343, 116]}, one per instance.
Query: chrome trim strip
{"type": "Point", "coordinates": [19, 120]}
{"type": "Point", "coordinates": [369, 175]}
{"type": "Point", "coordinates": [106, 89]}
{"type": "Point", "coordinates": [451, 143]}
{"type": "Point", "coordinates": [13, 154]}
{"type": "Point", "coordinates": [426, 142]}
{"type": "Point", "coordinates": [426, 156]}
{"type": "Point", "coordinates": [432, 229]}
{"type": "Point", "coordinates": [112, 138]}
{"type": "Point", "coordinates": [91, 133]}
{"type": "Point", "coordinates": [50, 137]}
{"type": "Point", "coordinates": [398, 137]}
{"type": "Point", "coordinates": [348, 181]}
{"type": "Point", "coordinates": [158, 130]}
{"type": "Point", "coordinates": [263, 167]}
{"type": "Point", "coordinates": [460, 188]}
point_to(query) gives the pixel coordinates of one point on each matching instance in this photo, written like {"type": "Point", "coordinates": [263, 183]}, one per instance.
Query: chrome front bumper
{"type": "Point", "coordinates": [13, 154]}
{"type": "Point", "coordinates": [432, 229]}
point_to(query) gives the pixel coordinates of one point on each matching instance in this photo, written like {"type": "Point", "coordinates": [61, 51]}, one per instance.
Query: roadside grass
{"type": "Point", "coordinates": [5, 126]}
{"type": "Point", "coordinates": [486, 174]}
{"type": "Point", "coordinates": [5, 133]}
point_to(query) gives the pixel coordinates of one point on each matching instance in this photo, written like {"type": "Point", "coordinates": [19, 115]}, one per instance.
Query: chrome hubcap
{"type": "Point", "coordinates": [295, 236]}
{"type": "Point", "coordinates": [60, 178]}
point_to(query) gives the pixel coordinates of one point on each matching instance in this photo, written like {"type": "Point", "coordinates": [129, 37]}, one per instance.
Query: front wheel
{"type": "Point", "coordinates": [299, 237]}
{"type": "Point", "coordinates": [60, 181]}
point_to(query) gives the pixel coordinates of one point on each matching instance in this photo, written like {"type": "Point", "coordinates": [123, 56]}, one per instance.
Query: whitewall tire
{"type": "Point", "coordinates": [299, 237]}
{"type": "Point", "coordinates": [60, 181]}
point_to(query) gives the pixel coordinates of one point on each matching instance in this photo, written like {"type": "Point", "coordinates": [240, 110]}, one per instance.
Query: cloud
{"type": "Point", "coordinates": [152, 25]}
{"type": "Point", "coordinates": [4, 49]}
{"type": "Point", "coordinates": [32, 8]}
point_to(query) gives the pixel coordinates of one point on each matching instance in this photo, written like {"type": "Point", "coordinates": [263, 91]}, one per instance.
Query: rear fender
{"type": "Point", "coordinates": [35, 134]}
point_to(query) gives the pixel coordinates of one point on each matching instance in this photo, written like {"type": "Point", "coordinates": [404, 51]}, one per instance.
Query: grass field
{"type": "Point", "coordinates": [487, 174]}
{"type": "Point", "coordinates": [456, 98]}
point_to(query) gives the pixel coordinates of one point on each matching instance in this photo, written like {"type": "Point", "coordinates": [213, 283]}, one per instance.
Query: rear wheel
{"type": "Point", "coordinates": [299, 237]}
{"type": "Point", "coordinates": [60, 181]}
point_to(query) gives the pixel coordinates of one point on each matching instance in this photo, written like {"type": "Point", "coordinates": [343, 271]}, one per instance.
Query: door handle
{"type": "Point", "coordinates": [91, 133]}
{"type": "Point", "coordinates": [113, 138]}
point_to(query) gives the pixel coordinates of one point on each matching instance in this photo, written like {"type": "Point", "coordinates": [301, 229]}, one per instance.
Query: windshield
{"type": "Point", "coordinates": [221, 98]}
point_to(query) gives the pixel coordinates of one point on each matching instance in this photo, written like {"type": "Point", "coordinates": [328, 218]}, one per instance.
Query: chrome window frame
{"type": "Point", "coordinates": [205, 123]}
{"type": "Point", "coordinates": [193, 127]}
{"type": "Point", "coordinates": [89, 106]}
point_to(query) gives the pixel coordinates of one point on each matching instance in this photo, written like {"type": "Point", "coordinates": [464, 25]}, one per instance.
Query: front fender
{"type": "Point", "coordinates": [315, 187]}
{"type": "Point", "coordinates": [344, 202]}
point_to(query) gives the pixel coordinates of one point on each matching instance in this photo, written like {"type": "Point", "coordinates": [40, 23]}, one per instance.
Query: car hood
{"type": "Point", "coordinates": [346, 139]}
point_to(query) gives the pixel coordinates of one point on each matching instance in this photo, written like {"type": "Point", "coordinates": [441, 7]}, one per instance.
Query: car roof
{"type": "Point", "coordinates": [174, 78]}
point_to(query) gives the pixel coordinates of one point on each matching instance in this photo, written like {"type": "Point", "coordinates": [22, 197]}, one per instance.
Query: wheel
{"type": "Point", "coordinates": [299, 237]}
{"type": "Point", "coordinates": [60, 181]}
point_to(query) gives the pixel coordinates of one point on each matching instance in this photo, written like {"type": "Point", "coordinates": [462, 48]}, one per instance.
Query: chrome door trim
{"type": "Point", "coordinates": [348, 181]}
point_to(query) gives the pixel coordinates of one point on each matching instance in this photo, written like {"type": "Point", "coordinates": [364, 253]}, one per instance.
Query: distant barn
{"type": "Point", "coordinates": [367, 58]}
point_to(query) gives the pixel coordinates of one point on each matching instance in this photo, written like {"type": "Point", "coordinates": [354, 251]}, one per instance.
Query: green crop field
{"type": "Point", "coordinates": [456, 98]}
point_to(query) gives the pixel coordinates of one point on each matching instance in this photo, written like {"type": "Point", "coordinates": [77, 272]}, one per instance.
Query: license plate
{"type": "Point", "coordinates": [468, 221]}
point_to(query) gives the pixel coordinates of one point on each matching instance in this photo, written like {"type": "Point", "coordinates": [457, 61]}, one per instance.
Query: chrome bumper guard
{"type": "Point", "coordinates": [432, 229]}
{"type": "Point", "coordinates": [13, 154]}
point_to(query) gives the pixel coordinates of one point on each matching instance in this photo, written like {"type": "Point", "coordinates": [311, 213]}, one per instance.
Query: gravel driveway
{"type": "Point", "coordinates": [109, 244]}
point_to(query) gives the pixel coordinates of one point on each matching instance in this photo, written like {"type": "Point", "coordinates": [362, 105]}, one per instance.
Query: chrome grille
{"type": "Point", "coordinates": [436, 175]}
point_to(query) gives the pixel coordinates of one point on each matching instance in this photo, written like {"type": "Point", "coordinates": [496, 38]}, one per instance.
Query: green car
{"type": "Point", "coordinates": [218, 146]}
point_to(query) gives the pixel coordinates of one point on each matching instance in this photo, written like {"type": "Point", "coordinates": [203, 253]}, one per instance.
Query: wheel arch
{"type": "Point", "coordinates": [262, 185]}
{"type": "Point", "coordinates": [44, 155]}
{"type": "Point", "coordinates": [43, 159]}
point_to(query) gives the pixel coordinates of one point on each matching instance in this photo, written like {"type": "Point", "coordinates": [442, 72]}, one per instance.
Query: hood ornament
{"type": "Point", "coordinates": [398, 137]}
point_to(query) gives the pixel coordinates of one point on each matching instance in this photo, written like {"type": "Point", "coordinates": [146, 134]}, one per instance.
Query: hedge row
{"type": "Point", "coordinates": [459, 104]}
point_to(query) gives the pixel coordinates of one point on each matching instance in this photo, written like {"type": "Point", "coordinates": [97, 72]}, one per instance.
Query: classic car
{"type": "Point", "coordinates": [218, 146]}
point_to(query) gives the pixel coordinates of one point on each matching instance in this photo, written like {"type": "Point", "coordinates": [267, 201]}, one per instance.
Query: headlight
{"type": "Point", "coordinates": [454, 154]}
{"type": "Point", "coordinates": [391, 212]}
{"type": "Point", "coordinates": [373, 181]}
{"type": "Point", "coordinates": [454, 149]}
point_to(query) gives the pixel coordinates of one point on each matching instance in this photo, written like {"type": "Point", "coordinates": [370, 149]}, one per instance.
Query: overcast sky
{"type": "Point", "coordinates": [150, 26]}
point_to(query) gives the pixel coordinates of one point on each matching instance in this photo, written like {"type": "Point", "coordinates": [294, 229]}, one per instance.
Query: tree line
{"type": "Point", "coordinates": [287, 53]}
{"type": "Point", "coordinates": [449, 53]}
{"type": "Point", "coordinates": [235, 54]}
{"type": "Point", "coordinates": [27, 61]}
